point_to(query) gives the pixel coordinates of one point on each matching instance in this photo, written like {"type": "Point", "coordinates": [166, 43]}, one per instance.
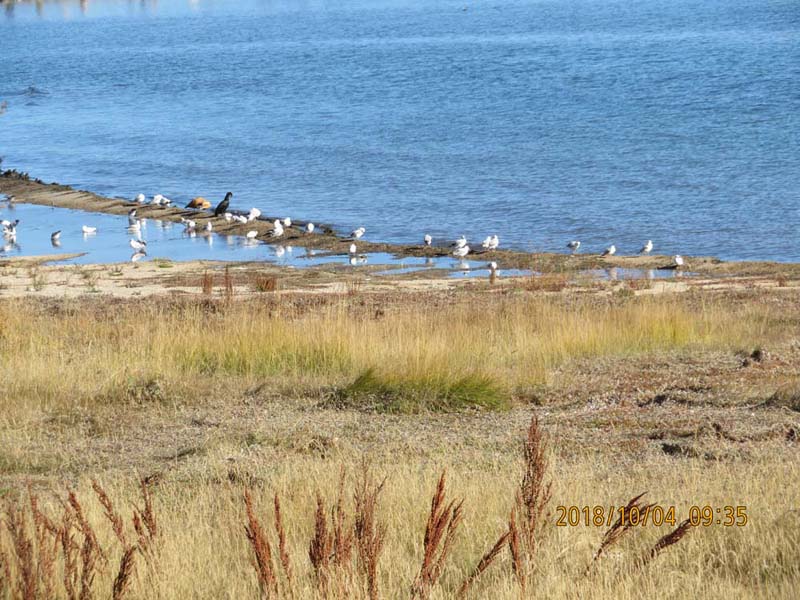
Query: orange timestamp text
{"type": "Point", "coordinates": [655, 514]}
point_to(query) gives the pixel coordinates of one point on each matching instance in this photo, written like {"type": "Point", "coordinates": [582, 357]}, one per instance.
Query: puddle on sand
{"type": "Point", "coordinates": [621, 274]}
{"type": "Point", "coordinates": [165, 239]}
{"type": "Point", "coordinates": [169, 240]}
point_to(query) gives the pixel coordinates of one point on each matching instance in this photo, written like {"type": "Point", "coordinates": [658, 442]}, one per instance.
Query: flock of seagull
{"type": "Point", "coordinates": [492, 242]}
{"type": "Point", "coordinates": [460, 246]}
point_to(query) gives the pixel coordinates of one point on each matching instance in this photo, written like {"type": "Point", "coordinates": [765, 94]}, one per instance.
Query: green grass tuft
{"type": "Point", "coordinates": [436, 392]}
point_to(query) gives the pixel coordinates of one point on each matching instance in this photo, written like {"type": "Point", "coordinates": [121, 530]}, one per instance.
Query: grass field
{"type": "Point", "coordinates": [690, 398]}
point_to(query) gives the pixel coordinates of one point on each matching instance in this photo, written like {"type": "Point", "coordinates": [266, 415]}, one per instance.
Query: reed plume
{"type": "Point", "coordinates": [262, 551]}
{"type": "Point", "coordinates": [443, 521]}
{"type": "Point", "coordinates": [125, 573]}
{"type": "Point", "coordinates": [673, 537]}
{"type": "Point", "coordinates": [27, 587]}
{"type": "Point", "coordinates": [117, 523]}
{"type": "Point", "coordinates": [321, 547]}
{"type": "Point", "coordinates": [282, 549]}
{"type": "Point", "coordinates": [530, 503]}
{"type": "Point", "coordinates": [369, 533]}
{"type": "Point", "coordinates": [619, 528]}
{"type": "Point", "coordinates": [485, 562]}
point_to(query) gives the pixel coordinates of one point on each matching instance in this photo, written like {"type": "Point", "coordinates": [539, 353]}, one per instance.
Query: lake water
{"type": "Point", "coordinates": [542, 121]}
{"type": "Point", "coordinates": [110, 243]}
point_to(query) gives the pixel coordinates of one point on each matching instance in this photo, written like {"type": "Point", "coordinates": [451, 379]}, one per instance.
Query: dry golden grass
{"type": "Point", "coordinates": [263, 492]}
{"type": "Point", "coordinates": [443, 356]}
{"type": "Point", "coordinates": [207, 542]}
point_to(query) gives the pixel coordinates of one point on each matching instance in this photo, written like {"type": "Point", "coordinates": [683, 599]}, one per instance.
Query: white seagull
{"type": "Point", "coordinates": [647, 248]}
{"type": "Point", "coordinates": [460, 242]}
{"type": "Point", "coordinates": [139, 199]}
{"type": "Point", "coordinates": [461, 251]}
{"type": "Point", "coordinates": [357, 233]}
{"type": "Point", "coordinates": [251, 235]}
{"type": "Point", "coordinates": [491, 242]}
{"type": "Point", "coordinates": [287, 222]}
{"type": "Point", "coordinates": [158, 200]}
{"type": "Point", "coordinates": [138, 245]}
{"type": "Point", "coordinates": [309, 228]}
{"type": "Point", "coordinates": [678, 260]}
{"type": "Point", "coordinates": [277, 230]}
{"type": "Point", "coordinates": [88, 230]}
{"type": "Point", "coordinates": [228, 217]}
{"type": "Point", "coordinates": [240, 219]}
{"type": "Point", "coordinates": [253, 214]}
{"type": "Point", "coordinates": [428, 239]}
{"type": "Point", "coordinates": [10, 228]}
{"type": "Point", "coordinates": [574, 245]}
{"type": "Point", "coordinates": [610, 251]}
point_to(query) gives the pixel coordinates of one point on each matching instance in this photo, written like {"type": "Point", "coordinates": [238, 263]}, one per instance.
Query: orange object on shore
{"type": "Point", "coordinates": [199, 202]}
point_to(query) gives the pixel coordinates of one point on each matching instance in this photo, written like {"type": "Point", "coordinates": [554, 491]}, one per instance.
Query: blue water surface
{"type": "Point", "coordinates": [542, 121]}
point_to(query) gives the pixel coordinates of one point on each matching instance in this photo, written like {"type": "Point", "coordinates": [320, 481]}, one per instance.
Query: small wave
{"type": "Point", "coordinates": [34, 92]}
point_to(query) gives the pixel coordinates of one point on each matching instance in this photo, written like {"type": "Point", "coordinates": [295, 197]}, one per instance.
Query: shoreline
{"type": "Point", "coordinates": [25, 189]}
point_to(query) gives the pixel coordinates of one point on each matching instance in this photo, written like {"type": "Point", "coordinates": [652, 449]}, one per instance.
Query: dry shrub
{"type": "Point", "coordinates": [207, 283]}
{"type": "Point", "coordinates": [265, 283]}
{"type": "Point", "coordinates": [227, 285]}
{"type": "Point", "coordinates": [640, 283]}
{"type": "Point", "coordinates": [353, 286]}
{"type": "Point", "coordinates": [546, 282]}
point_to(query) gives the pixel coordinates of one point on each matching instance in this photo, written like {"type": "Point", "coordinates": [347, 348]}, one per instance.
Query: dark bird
{"type": "Point", "coordinates": [222, 207]}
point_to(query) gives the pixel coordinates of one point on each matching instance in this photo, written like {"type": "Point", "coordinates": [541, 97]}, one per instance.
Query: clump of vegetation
{"type": "Point", "coordinates": [265, 283]}
{"type": "Point", "coordinates": [546, 282]}
{"type": "Point", "coordinates": [207, 284]}
{"type": "Point", "coordinates": [43, 556]}
{"type": "Point", "coordinates": [433, 391]}
{"type": "Point", "coordinates": [787, 396]}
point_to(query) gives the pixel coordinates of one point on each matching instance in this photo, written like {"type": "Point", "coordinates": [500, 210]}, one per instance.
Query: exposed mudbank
{"type": "Point", "coordinates": [24, 188]}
